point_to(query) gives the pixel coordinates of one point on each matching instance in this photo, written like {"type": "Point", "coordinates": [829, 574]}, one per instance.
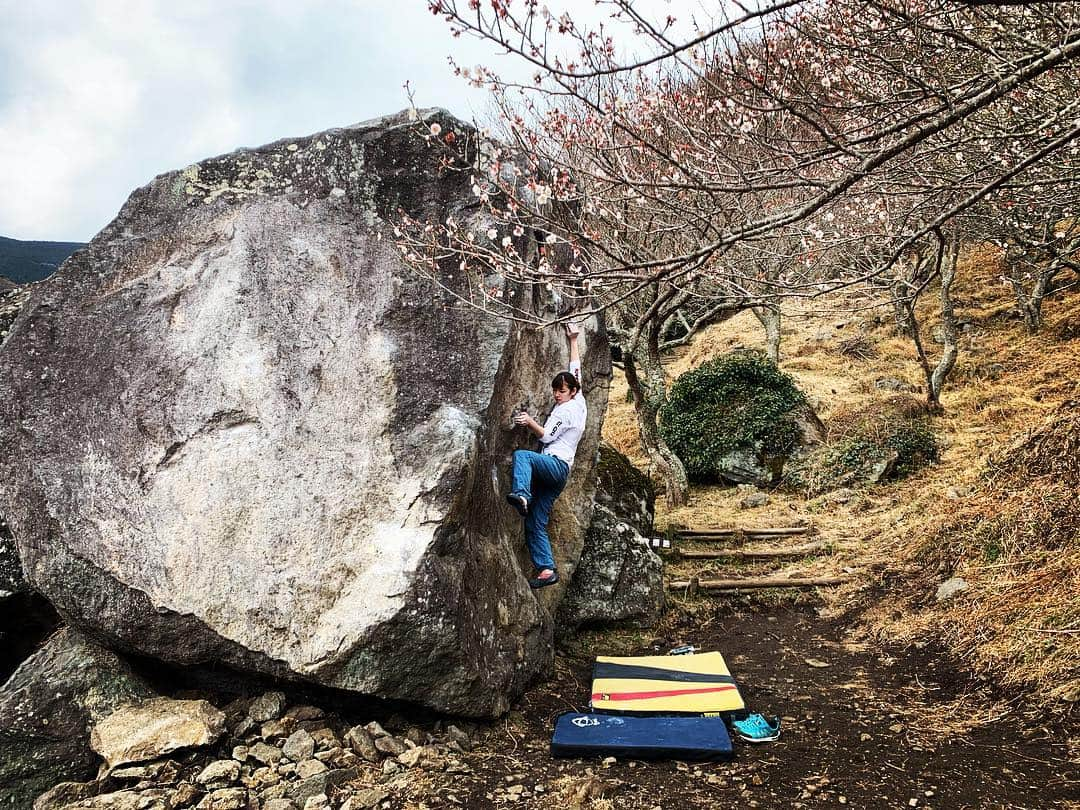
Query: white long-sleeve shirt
{"type": "Point", "coordinates": [564, 428]}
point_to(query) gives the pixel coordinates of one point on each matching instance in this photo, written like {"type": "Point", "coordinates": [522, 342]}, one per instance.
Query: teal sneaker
{"type": "Point", "coordinates": [756, 729]}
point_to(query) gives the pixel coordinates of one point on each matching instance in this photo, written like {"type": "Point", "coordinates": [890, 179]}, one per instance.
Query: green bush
{"type": "Point", "coordinates": [739, 400]}
{"type": "Point", "coordinates": [875, 438]}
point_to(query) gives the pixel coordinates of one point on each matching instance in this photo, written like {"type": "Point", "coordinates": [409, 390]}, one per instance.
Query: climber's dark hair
{"type": "Point", "coordinates": [567, 379]}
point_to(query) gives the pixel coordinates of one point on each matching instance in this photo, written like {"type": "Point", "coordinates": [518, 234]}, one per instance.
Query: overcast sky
{"type": "Point", "coordinates": [99, 96]}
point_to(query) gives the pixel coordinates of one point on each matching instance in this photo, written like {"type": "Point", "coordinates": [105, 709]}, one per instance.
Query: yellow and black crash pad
{"type": "Point", "coordinates": [665, 684]}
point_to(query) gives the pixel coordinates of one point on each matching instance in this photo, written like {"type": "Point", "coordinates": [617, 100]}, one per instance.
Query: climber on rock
{"type": "Point", "coordinates": [538, 478]}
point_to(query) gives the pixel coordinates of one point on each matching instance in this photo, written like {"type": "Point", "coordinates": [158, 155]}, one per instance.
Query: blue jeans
{"type": "Point", "coordinates": [540, 479]}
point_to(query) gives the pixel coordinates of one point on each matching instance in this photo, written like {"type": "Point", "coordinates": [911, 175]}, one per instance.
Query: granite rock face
{"type": "Point", "coordinates": [236, 428]}
{"type": "Point", "coordinates": [47, 708]}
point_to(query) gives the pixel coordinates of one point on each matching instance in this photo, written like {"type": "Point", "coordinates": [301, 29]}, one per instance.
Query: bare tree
{"type": "Point", "coordinates": [713, 173]}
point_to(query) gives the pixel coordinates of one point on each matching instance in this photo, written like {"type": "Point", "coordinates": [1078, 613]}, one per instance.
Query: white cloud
{"type": "Point", "coordinates": [99, 96]}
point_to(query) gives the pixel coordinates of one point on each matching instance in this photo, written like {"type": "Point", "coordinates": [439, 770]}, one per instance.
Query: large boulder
{"type": "Point", "coordinates": [237, 429]}
{"type": "Point", "coordinates": [47, 708]}
{"type": "Point", "coordinates": [625, 490]}
{"type": "Point", "coordinates": [619, 577]}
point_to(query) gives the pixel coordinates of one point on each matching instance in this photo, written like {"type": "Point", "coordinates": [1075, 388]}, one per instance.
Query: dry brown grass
{"type": "Point", "coordinates": [1012, 532]}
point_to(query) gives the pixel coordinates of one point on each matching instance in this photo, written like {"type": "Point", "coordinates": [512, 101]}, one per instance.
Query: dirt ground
{"type": "Point", "coordinates": [867, 731]}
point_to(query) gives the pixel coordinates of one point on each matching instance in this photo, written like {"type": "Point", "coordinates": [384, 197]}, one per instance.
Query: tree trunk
{"type": "Point", "coordinates": [769, 317]}
{"type": "Point", "coordinates": [649, 390]}
{"type": "Point", "coordinates": [951, 347]}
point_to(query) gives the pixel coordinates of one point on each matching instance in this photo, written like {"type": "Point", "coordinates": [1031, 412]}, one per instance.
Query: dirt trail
{"type": "Point", "coordinates": [867, 731]}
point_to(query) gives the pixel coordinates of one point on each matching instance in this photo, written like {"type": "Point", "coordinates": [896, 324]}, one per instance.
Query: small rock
{"type": "Point", "coordinates": [221, 773]}
{"type": "Point", "coordinates": [266, 754]}
{"type": "Point", "coordinates": [280, 804]}
{"type": "Point", "coordinates": [299, 714]}
{"type": "Point", "coordinates": [423, 756]}
{"type": "Point", "coordinates": [148, 729]}
{"type": "Point", "coordinates": [185, 795]}
{"type": "Point", "coordinates": [896, 728]}
{"type": "Point", "coordinates": [894, 384]}
{"type": "Point", "coordinates": [264, 777]}
{"type": "Point", "coordinates": [310, 767]}
{"type": "Point", "coordinates": [163, 772]}
{"type": "Point", "coordinates": [950, 588]}
{"type": "Point", "coordinates": [325, 739]}
{"type": "Point", "coordinates": [391, 766]}
{"type": "Point", "coordinates": [369, 798]}
{"type": "Point", "coordinates": [842, 495]}
{"type": "Point", "coordinates": [299, 746]}
{"type": "Point", "coordinates": [375, 730]}
{"type": "Point", "coordinates": [817, 663]}
{"type": "Point", "coordinates": [330, 754]}
{"type": "Point", "coordinates": [267, 706]}
{"type": "Point", "coordinates": [361, 741]}
{"type": "Point", "coordinates": [243, 727]}
{"type": "Point", "coordinates": [275, 729]}
{"type": "Point", "coordinates": [324, 782]}
{"type": "Point", "coordinates": [959, 492]}
{"type": "Point", "coordinates": [754, 500]}
{"type": "Point", "coordinates": [233, 798]}
{"type": "Point", "coordinates": [864, 737]}
{"type": "Point", "coordinates": [391, 746]}
{"type": "Point", "coordinates": [119, 800]}
{"type": "Point", "coordinates": [460, 737]}
{"type": "Point", "coordinates": [320, 802]}
{"type": "Point", "coordinates": [66, 793]}
{"type": "Point", "coordinates": [240, 753]}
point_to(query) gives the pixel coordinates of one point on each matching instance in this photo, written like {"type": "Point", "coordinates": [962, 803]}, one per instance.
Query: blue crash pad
{"type": "Point", "coordinates": [635, 737]}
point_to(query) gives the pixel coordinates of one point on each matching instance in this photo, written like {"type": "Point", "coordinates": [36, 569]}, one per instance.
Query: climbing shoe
{"type": "Point", "coordinates": [543, 582]}
{"type": "Point", "coordinates": [519, 502]}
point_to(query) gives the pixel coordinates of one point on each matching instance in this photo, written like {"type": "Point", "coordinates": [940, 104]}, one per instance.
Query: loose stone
{"type": "Point", "coordinates": [267, 706]}
{"type": "Point", "coordinates": [299, 746]}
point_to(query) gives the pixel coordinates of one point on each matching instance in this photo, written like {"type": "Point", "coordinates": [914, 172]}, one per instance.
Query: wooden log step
{"type": "Point", "coordinates": [804, 550]}
{"type": "Point", "coordinates": [696, 584]}
{"type": "Point", "coordinates": [699, 534]}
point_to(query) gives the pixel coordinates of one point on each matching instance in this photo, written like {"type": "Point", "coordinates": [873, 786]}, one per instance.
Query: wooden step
{"type": "Point", "coordinates": [694, 584]}
{"type": "Point", "coordinates": [721, 534]}
{"type": "Point", "coordinates": [805, 550]}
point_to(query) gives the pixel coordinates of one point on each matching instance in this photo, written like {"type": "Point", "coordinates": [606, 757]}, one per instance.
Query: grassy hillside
{"type": "Point", "coordinates": [22, 262]}
{"type": "Point", "coordinates": [1000, 510]}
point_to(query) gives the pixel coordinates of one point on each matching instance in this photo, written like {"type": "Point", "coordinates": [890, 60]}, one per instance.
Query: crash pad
{"type": "Point", "coordinates": [665, 684]}
{"type": "Point", "coordinates": [630, 737]}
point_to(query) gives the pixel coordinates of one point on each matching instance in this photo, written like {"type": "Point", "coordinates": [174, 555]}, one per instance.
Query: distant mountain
{"type": "Point", "coordinates": [22, 262]}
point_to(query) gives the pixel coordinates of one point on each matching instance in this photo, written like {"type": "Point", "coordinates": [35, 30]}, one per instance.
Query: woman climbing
{"type": "Point", "coordinates": [538, 478]}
